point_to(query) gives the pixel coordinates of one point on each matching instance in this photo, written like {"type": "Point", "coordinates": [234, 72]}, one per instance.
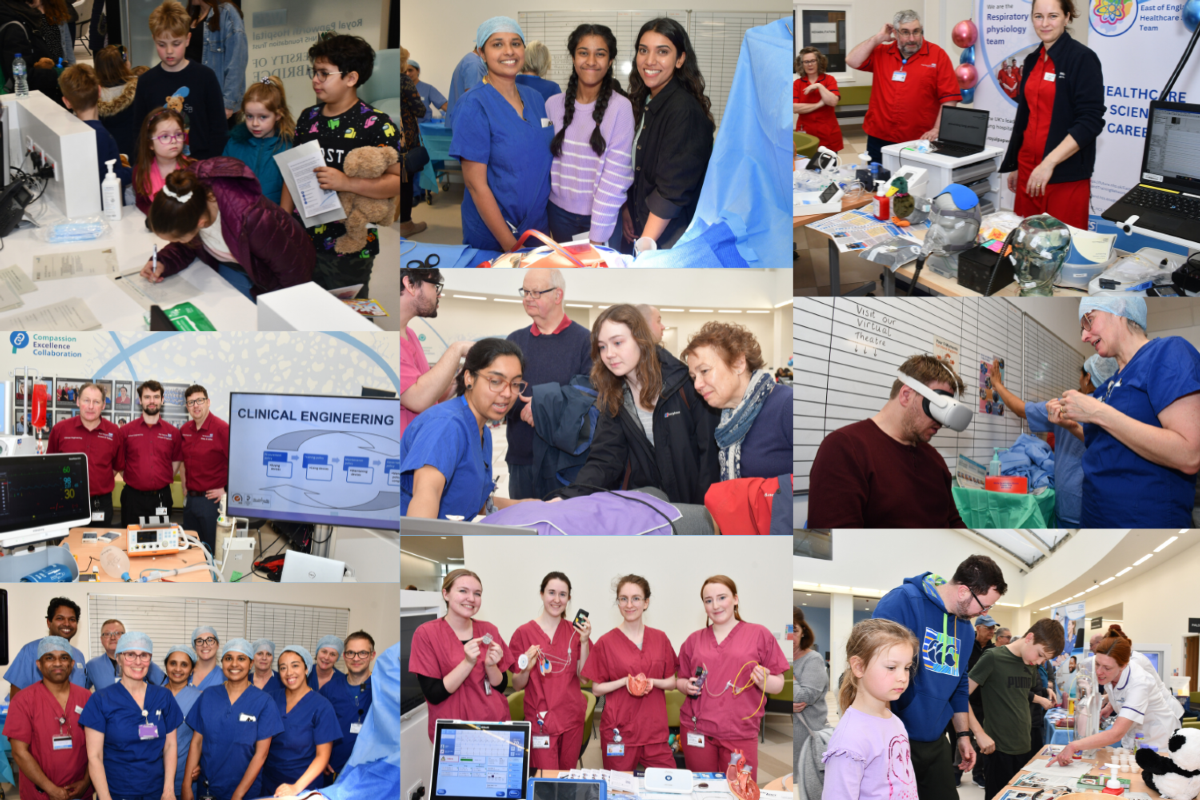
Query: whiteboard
{"type": "Point", "coordinates": [716, 37]}
{"type": "Point", "coordinates": [847, 351]}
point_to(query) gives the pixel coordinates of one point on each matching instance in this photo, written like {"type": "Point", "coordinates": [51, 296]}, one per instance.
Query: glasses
{"type": "Point", "coordinates": [629, 601]}
{"type": "Point", "coordinates": [533, 293]}
{"type": "Point", "coordinates": [137, 656]}
{"type": "Point", "coordinates": [983, 609]}
{"type": "Point", "coordinates": [322, 75]}
{"type": "Point", "coordinates": [909, 34]}
{"type": "Point", "coordinates": [357, 655]}
{"type": "Point", "coordinates": [439, 287]}
{"type": "Point", "coordinates": [110, 636]}
{"type": "Point", "coordinates": [809, 62]}
{"type": "Point", "coordinates": [498, 384]}
{"type": "Point", "coordinates": [197, 402]}
{"type": "Point", "coordinates": [169, 138]}
{"type": "Point", "coordinates": [205, 642]}
{"type": "Point", "coordinates": [1085, 322]}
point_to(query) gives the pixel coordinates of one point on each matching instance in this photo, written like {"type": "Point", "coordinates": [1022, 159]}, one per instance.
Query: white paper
{"type": "Point", "coordinates": [54, 266]}
{"type": "Point", "coordinates": [822, 33]}
{"type": "Point", "coordinates": [170, 292]}
{"type": "Point", "coordinates": [69, 315]}
{"type": "Point", "coordinates": [1077, 769]}
{"type": "Point", "coordinates": [15, 278]}
{"type": "Point", "coordinates": [9, 299]}
{"type": "Point", "coordinates": [316, 205]}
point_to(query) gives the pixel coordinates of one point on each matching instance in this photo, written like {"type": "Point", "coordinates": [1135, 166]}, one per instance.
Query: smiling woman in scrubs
{"type": "Point", "coordinates": [333, 687]}
{"type": "Point", "coordinates": [461, 676]}
{"type": "Point", "coordinates": [722, 715]}
{"type": "Point", "coordinates": [502, 137]}
{"type": "Point", "coordinates": [633, 726]}
{"type": "Point", "coordinates": [264, 655]}
{"type": "Point", "coordinates": [446, 452]}
{"type": "Point", "coordinates": [1140, 705]}
{"type": "Point", "coordinates": [232, 726]}
{"type": "Point", "coordinates": [130, 730]}
{"type": "Point", "coordinates": [554, 702]}
{"type": "Point", "coordinates": [207, 672]}
{"type": "Point", "coordinates": [1142, 427]}
{"type": "Point", "coordinates": [179, 663]}
{"type": "Point", "coordinates": [299, 755]}
{"type": "Point", "coordinates": [103, 670]}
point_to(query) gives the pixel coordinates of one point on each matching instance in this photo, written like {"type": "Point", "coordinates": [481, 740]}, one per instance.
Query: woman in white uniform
{"type": "Point", "coordinates": [1138, 702]}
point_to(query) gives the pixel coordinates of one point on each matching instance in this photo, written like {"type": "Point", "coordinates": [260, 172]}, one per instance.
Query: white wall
{"type": "Point", "coordinates": [374, 607]}
{"type": "Point", "coordinates": [512, 570]}
{"type": "Point", "coordinates": [1165, 317]}
{"type": "Point", "coordinates": [1175, 317]}
{"type": "Point", "coordinates": [419, 572]}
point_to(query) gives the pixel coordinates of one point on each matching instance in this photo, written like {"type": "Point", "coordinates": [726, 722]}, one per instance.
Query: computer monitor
{"type": "Point", "coordinates": [315, 459]}
{"type": "Point", "coordinates": [479, 760]}
{"type": "Point", "coordinates": [42, 497]}
{"type": "Point", "coordinates": [964, 125]}
{"type": "Point", "coordinates": [367, 391]}
{"type": "Point", "coordinates": [1173, 145]}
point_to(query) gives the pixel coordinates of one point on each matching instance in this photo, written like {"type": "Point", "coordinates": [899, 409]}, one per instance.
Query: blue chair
{"type": "Point", "coordinates": [382, 91]}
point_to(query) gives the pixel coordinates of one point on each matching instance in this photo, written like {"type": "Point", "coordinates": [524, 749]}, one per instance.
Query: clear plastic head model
{"type": "Point", "coordinates": [1088, 701]}
{"type": "Point", "coordinates": [954, 222]}
{"type": "Point", "coordinates": [1040, 246]}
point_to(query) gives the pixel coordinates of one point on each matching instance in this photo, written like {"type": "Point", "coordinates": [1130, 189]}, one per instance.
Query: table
{"type": "Point", "coordinates": [1136, 784]}
{"type": "Point", "coordinates": [779, 784]}
{"type": "Point", "coordinates": [1056, 735]}
{"type": "Point", "coordinates": [436, 139]}
{"type": "Point", "coordinates": [85, 552]}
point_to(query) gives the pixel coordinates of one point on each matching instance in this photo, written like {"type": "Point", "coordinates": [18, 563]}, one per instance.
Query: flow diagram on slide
{"type": "Point", "coordinates": [334, 470]}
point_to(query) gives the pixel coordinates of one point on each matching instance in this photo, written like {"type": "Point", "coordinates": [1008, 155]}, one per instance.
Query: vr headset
{"type": "Point", "coordinates": [940, 406]}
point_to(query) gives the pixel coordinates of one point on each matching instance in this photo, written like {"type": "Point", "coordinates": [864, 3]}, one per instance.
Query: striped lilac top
{"type": "Point", "coordinates": [582, 182]}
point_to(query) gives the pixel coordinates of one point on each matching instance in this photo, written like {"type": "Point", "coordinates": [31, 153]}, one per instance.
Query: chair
{"type": "Point", "coordinates": [778, 703]}
{"type": "Point", "coordinates": [516, 706]}
{"type": "Point", "coordinates": [81, 26]}
{"type": "Point", "coordinates": [675, 700]}
{"type": "Point", "coordinates": [805, 144]}
{"type": "Point", "coordinates": [589, 718]}
{"type": "Point", "coordinates": [383, 90]}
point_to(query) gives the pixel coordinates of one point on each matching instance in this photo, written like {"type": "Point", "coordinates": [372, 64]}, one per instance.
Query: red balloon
{"type": "Point", "coordinates": [965, 33]}
{"type": "Point", "coordinates": [967, 76]}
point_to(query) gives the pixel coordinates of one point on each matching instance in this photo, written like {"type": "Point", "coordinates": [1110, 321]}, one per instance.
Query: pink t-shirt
{"type": "Point", "coordinates": [869, 758]}
{"type": "Point", "coordinates": [413, 365]}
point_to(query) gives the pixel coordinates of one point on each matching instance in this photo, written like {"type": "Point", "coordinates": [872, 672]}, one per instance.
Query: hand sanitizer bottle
{"type": "Point", "coordinates": [110, 193]}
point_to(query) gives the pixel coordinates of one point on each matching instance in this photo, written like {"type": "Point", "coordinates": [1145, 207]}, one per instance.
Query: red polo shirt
{"type": "Point", "coordinates": [148, 451]}
{"type": "Point", "coordinates": [102, 447]}
{"type": "Point", "coordinates": [206, 454]}
{"type": "Point", "coordinates": [901, 109]}
{"type": "Point", "coordinates": [562, 326]}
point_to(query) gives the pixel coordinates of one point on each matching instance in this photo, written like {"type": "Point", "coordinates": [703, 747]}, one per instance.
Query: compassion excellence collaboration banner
{"type": "Point", "coordinates": [1139, 44]}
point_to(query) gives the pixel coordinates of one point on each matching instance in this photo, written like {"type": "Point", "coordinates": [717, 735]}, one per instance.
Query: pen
{"type": "Point", "coordinates": [154, 259]}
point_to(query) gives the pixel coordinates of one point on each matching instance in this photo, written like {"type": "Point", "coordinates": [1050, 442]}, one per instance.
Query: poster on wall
{"type": "Point", "coordinates": [989, 398]}
{"type": "Point", "coordinates": [946, 351]}
{"type": "Point", "coordinates": [1070, 616]}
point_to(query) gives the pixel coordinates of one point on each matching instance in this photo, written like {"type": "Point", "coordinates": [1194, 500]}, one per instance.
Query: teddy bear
{"type": "Point", "coordinates": [365, 162]}
{"type": "Point", "coordinates": [1175, 775]}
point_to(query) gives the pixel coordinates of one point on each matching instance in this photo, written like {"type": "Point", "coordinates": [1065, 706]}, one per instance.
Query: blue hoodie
{"type": "Point", "coordinates": [259, 156]}
{"type": "Point", "coordinates": [939, 685]}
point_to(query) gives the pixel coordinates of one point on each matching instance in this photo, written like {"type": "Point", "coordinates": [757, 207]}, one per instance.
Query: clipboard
{"type": "Point", "coordinates": [284, 160]}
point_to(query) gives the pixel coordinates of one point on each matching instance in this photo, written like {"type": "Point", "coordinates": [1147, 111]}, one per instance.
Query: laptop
{"type": "Point", "coordinates": [303, 568]}
{"type": "Point", "coordinates": [963, 132]}
{"type": "Point", "coordinates": [479, 760]}
{"type": "Point", "coordinates": [1167, 200]}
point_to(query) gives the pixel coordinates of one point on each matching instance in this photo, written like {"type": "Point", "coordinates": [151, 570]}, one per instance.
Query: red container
{"type": "Point", "coordinates": [1007, 483]}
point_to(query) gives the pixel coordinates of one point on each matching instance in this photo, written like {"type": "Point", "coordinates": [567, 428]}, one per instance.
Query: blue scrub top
{"type": "Point", "coordinates": [447, 437]}
{"type": "Point", "coordinates": [102, 672]}
{"type": "Point", "coordinates": [311, 722]}
{"type": "Point", "coordinates": [545, 88]}
{"type": "Point", "coordinates": [487, 129]}
{"type": "Point", "coordinates": [273, 685]}
{"type": "Point", "coordinates": [23, 670]}
{"type": "Point", "coordinates": [1068, 465]}
{"type": "Point", "coordinates": [467, 75]}
{"type": "Point", "coordinates": [186, 698]}
{"type": "Point", "coordinates": [1124, 490]}
{"type": "Point", "coordinates": [231, 733]}
{"type": "Point", "coordinates": [430, 97]}
{"type": "Point", "coordinates": [132, 765]}
{"type": "Point", "coordinates": [339, 694]}
{"type": "Point", "coordinates": [214, 678]}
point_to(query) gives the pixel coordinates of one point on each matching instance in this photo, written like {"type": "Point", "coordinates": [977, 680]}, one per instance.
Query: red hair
{"type": "Point", "coordinates": [1116, 645]}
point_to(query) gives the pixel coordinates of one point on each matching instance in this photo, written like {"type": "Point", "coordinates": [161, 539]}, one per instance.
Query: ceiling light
{"type": "Point", "coordinates": [1143, 559]}
{"type": "Point", "coordinates": [1122, 572]}
{"type": "Point", "coordinates": [1010, 605]}
{"type": "Point", "coordinates": [1081, 594]}
{"type": "Point", "coordinates": [506, 300]}
{"type": "Point", "coordinates": [700, 310]}
{"type": "Point", "coordinates": [1108, 580]}
{"type": "Point", "coordinates": [1044, 608]}
{"type": "Point", "coordinates": [758, 312]}
{"type": "Point", "coordinates": [727, 311]}
{"type": "Point", "coordinates": [423, 558]}
{"type": "Point", "coordinates": [1092, 588]}
{"type": "Point", "coordinates": [787, 302]}
{"type": "Point", "coordinates": [808, 594]}
{"type": "Point", "coordinates": [833, 588]}
{"type": "Point", "coordinates": [679, 310]}
{"type": "Point", "coordinates": [1164, 544]}
{"type": "Point", "coordinates": [576, 305]}
{"type": "Point", "coordinates": [467, 297]}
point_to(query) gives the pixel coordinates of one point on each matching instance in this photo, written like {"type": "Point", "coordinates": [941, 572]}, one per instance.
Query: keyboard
{"type": "Point", "coordinates": [953, 150]}
{"type": "Point", "coordinates": [1164, 202]}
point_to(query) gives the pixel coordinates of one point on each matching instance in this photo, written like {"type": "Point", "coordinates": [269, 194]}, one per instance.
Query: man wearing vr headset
{"type": "Point", "coordinates": [882, 472]}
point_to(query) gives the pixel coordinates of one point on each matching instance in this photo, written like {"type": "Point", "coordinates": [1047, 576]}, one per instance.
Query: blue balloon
{"type": "Point", "coordinates": [968, 95]}
{"type": "Point", "coordinates": [967, 56]}
{"type": "Point", "coordinates": [1191, 14]}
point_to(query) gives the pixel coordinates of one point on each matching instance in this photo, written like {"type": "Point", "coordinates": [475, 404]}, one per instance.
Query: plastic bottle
{"type": "Point", "coordinates": [115, 562]}
{"type": "Point", "coordinates": [20, 77]}
{"type": "Point", "coordinates": [881, 206]}
{"type": "Point", "coordinates": [994, 467]}
{"type": "Point", "coordinates": [110, 193]}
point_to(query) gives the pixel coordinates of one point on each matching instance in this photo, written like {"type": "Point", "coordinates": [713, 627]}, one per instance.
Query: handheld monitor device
{"type": "Point", "coordinates": [580, 616]}
{"type": "Point", "coordinates": [942, 407]}
{"type": "Point", "coordinates": [479, 760]}
{"type": "Point", "coordinates": [566, 789]}
{"type": "Point", "coordinates": [154, 540]}
{"type": "Point", "coordinates": [43, 497]}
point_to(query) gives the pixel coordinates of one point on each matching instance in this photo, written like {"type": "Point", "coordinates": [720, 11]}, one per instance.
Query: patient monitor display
{"type": "Point", "coordinates": [316, 460]}
{"type": "Point", "coordinates": [42, 497]}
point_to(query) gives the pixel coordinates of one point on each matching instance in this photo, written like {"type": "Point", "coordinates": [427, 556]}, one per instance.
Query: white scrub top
{"type": "Point", "coordinates": [1145, 663]}
{"type": "Point", "coordinates": [1135, 697]}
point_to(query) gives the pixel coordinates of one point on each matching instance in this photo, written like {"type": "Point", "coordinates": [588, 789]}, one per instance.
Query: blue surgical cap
{"type": "Point", "coordinates": [302, 652]}
{"type": "Point", "coordinates": [237, 646]}
{"type": "Point", "coordinates": [413, 63]}
{"type": "Point", "coordinates": [497, 25]}
{"type": "Point", "coordinates": [187, 651]}
{"type": "Point", "coordinates": [135, 640]}
{"type": "Point", "coordinates": [1100, 369]}
{"type": "Point", "coordinates": [331, 641]}
{"type": "Point", "coordinates": [52, 643]}
{"type": "Point", "coordinates": [1133, 308]}
{"type": "Point", "coordinates": [205, 629]}
{"type": "Point", "coordinates": [264, 644]}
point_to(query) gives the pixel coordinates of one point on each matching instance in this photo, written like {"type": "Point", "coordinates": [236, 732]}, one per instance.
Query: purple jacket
{"type": "Point", "coordinates": [269, 244]}
{"type": "Point", "coordinates": [602, 513]}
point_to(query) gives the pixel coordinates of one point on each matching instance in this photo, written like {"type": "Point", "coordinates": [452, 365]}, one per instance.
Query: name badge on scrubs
{"type": "Point", "coordinates": [356, 728]}
{"type": "Point", "coordinates": [61, 742]}
{"type": "Point", "coordinates": [78, 709]}
{"type": "Point", "coordinates": [542, 743]}
{"type": "Point", "coordinates": [161, 511]}
{"type": "Point", "coordinates": [1048, 76]}
{"type": "Point", "coordinates": [695, 740]}
{"type": "Point", "coordinates": [546, 123]}
{"type": "Point", "coordinates": [97, 516]}
{"type": "Point", "coordinates": [247, 718]}
{"type": "Point", "coordinates": [147, 731]}
{"type": "Point", "coordinates": [615, 749]}
{"type": "Point", "coordinates": [899, 76]}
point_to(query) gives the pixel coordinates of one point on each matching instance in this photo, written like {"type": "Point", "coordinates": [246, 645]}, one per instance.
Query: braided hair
{"type": "Point", "coordinates": [606, 88]}
{"type": "Point", "coordinates": [688, 75]}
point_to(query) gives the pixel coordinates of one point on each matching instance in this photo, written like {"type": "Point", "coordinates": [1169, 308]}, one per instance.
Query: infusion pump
{"type": "Point", "coordinates": [155, 540]}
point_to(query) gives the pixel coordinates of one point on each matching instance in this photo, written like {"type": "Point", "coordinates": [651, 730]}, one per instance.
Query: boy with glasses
{"type": "Point", "coordinates": [421, 386]}
{"type": "Point", "coordinates": [205, 466]}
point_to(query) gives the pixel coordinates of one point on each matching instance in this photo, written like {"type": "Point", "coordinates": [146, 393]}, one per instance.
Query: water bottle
{"type": "Point", "coordinates": [20, 77]}
{"type": "Point", "coordinates": [114, 561]}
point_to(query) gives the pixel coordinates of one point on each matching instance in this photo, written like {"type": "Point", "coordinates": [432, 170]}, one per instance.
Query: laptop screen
{"type": "Point", "coordinates": [480, 760]}
{"type": "Point", "coordinates": [964, 126]}
{"type": "Point", "coordinates": [1173, 145]}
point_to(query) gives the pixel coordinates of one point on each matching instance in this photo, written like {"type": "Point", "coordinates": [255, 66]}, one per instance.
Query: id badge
{"type": "Point", "coordinates": [615, 749]}
{"type": "Point", "coordinates": [356, 728]}
{"type": "Point", "coordinates": [1048, 77]}
{"type": "Point", "coordinates": [62, 742]}
{"type": "Point", "coordinates": [97, 516]}
{"type": "Point", "coordinates": [161, 511]}
{"type": "Point", "coordinates": [695, 740]}
{"type": "Point", "coordinates": [147, 731]}
{"type": "Point", "coordinates": [543, 743]}
{"type": "Point", "coordinates": [899, 76]}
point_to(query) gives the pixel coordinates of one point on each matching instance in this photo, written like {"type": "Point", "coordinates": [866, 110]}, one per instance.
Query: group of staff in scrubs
{"type": "Point", "coordinates": [724, 670]}
{"type": "Point", "coordinates": [643, 152]}
{"type": "Point", "coordinates": [149, 734]}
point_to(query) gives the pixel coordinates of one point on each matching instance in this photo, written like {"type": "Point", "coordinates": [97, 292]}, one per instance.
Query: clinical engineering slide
{"type": "Point", "coordinates": [315, 460]}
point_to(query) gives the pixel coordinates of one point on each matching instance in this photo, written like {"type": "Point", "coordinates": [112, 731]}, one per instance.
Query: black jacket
{"type": "Point", "coordinates": [671, 159]}
{"type": "Point", "coordinates": [24, 38]}
{"type": "Point", "coordinates": [683, 460]}
{"type": "Point", "coordinates": [1078, 109]}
